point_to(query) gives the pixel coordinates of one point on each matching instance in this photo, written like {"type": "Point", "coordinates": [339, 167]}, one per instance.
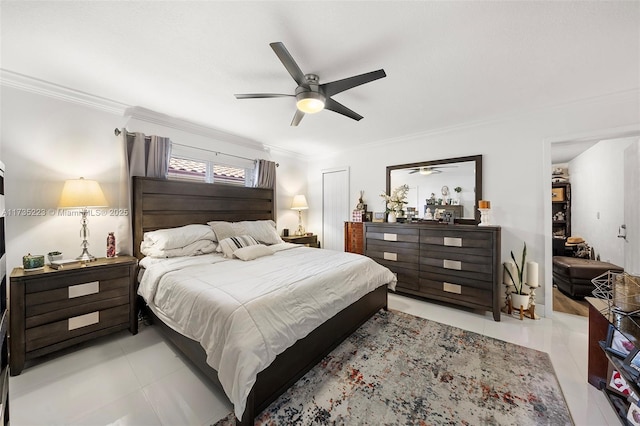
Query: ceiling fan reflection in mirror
{"type": "Point", "coordinates": [430, 170]}
{"type": "Point", "coordinates": [311, 96]}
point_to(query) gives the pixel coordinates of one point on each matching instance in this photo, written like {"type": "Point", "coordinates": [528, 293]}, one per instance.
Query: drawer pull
{"type": "Point", "coordinates": [452, 264]}
{"type": "Point", "coordinates": [453, 242]}
{"type": "Point", "coordinates": [390, 256]}
{"type": "Point", "coordinates": [390, 237]}
{"type": "Point", "coordinates": [84, 320]}
{"type": "Point", "coordinates": [84, 289]}
{"type": "Point", "coordinates": [452, 288]}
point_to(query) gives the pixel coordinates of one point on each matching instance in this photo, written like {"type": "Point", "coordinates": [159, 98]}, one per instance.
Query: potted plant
{"type": "Point", "coordinates": [396, 201]}
{"type": "Point", "coordinates": [518, 297]}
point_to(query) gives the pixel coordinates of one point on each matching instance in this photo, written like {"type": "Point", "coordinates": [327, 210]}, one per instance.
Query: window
{"type": "Point", "coordinates": [208, 171]}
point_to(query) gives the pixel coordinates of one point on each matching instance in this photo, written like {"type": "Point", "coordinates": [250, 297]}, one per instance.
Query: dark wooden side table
{"type": "Point", "coordinates": [53, 309]}
{"type": "Point", "coordinates": [307, 240]}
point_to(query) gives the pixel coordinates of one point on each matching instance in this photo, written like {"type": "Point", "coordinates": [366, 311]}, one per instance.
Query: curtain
{"type": "Point", "coordinates": [265, 174]}
{"type": "Point", "coordinates": [140, 156]}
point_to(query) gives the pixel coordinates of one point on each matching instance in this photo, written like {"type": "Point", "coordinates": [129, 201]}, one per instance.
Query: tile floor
{"type": "Point", "coordinates": [140, 380]}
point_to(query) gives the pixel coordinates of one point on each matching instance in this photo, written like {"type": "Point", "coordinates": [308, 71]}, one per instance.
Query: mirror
{"type": "Point", "coordinates": [452, 185]}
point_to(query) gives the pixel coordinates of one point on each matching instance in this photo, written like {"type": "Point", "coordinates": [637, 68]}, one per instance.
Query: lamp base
{"type": "Point", "coordinates": [86, 256]}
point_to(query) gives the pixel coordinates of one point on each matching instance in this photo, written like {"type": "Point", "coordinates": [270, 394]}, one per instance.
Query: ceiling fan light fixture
{"type": "Point", "coordinates": [310, 102]}
{"type": "Point", "coordinates": [426, 172]}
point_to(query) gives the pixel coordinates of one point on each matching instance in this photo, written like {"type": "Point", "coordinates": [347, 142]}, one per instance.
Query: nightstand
{"type": "Point", "coordinates": [307, 240]}
{"type": "Point", "coordinates": [52, 309]}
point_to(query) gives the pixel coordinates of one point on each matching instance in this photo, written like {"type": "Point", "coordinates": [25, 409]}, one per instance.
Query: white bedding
{"type": "Point", "coordinates": [246, 313]}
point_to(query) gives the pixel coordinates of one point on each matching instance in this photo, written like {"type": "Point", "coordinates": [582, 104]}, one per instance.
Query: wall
{"type": "Point", "coordinates": [597, 197]}
{"type": "Point", "coordinates": [46, 140]}
{"type": "Point", "coordinates": [516, 166]}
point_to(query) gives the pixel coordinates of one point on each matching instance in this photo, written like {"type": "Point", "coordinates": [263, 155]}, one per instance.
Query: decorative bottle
{"type": "Point", "coordinates": [111, 245]}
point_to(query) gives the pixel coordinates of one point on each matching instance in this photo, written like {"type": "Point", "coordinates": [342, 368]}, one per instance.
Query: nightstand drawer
{"type": "Point", "coordinates": [75, 295]}
{"type": "Point", "coordinates": [70, 277]}
{"type": "Point", "coordinates": [48, 334]}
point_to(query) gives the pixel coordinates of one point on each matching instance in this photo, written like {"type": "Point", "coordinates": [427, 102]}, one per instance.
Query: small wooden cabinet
{"type": "Point", "coordinates": [354, 237]}
{"type": "Point", "coordinates": [307, 240]}
{"type": "Point", "coordinates": [52, 309]}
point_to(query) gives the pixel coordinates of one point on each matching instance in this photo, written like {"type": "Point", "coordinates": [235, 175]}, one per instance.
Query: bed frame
{"type": "Point", "coordinates": [159, 203]}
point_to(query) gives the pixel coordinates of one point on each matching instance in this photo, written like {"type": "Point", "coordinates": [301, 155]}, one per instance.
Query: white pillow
{"type": "Point", "coordinates": [165, 239]}
{"type": "Point", "coordinates": [231, 244]}
{"type": "Point", "coordinates": [194, 249]}
{"type": "Point", "coordinates": [263, 231]}
{"type": "Point", "coordinates": [253, 252]}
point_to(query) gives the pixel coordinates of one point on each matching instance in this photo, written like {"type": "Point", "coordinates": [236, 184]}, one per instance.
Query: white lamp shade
{"type": "Point", "coordinates": [299, 203]}
{"type": "Point", "coordinates": [82, 193]}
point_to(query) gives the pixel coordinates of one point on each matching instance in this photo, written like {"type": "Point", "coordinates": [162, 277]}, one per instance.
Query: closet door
{"type": "Point", "coordinates": [335, 207]}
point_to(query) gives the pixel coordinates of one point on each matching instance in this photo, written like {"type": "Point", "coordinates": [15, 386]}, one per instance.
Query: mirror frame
{"type": "Point", "coordinates": [478, 181]}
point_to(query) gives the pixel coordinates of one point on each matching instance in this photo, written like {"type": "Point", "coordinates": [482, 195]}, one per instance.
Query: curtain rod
{"type": "Point", "coordinates": [118, 131]}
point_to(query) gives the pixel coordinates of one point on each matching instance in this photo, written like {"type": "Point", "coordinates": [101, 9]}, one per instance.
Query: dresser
{"type": "Point", "coordinates": [354, 237]}
{"type": "Point", "coordinates": [457, 264]}
{"type": "Point", "coordinates": [53, 309]}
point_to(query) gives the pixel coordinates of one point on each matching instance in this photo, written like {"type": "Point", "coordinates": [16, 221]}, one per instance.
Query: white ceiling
{"type": "Point", "coordinates": [447, 63]}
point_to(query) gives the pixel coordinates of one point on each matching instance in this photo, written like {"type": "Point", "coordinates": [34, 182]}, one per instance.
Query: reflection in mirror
{"type": "Point", "coordinates": [453, 185]}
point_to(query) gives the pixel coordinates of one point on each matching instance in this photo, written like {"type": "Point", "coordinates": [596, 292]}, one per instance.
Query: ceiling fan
{"type": "Point", "coordinates": [311, 96]}
{"type": "Point", "coordinates": [429, 170]}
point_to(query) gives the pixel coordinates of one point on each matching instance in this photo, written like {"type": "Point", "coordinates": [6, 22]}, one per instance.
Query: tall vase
{"type": "Point", "coordinates": [391, 217]}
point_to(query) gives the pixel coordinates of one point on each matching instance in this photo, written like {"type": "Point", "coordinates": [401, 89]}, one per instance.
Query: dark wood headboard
{"type": "Point", "coordinates": [160, 203]}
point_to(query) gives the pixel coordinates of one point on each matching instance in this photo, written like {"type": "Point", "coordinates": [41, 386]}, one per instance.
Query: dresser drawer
{"type": "Point", "coordinates": [392, 233]}
{"type": "Point", "coordinates": [457, 238]}
{"type": "Point", "coordinates": [402, 254]}
{"type": "Point", "coordinates": [51, 333]}
{"type": "Point", "coordinates": [461, 293]}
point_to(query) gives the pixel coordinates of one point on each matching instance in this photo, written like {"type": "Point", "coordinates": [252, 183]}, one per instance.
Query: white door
{"type": "Point", "coordinates": [335, 207]}
{"type": "Point", "coordinates": [632, 208]}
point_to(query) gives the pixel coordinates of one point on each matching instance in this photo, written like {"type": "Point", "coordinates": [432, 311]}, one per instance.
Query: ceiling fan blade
{"type": "Point", "coordinates": [338, 86]}
{"type": "Point", "coordinates": [335, 106]}
{"type": "Point", "coordinates": [297, 118]}
{"type": "Point", "coordinates": [261, 95]}
{"type": "Point", "coordinates": [288, 62]}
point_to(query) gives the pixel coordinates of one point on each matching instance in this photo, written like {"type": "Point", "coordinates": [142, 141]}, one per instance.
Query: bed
{"type": "Point", "coordinates": [159, 204]}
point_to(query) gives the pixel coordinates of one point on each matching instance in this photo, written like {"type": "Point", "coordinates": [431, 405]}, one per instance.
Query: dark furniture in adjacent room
{"type": "Point", "coordinates": [53, 309]}
{"type": "Point", "coordinates": [573, 275]}
{"type": "Point", "coordinates": [561, 209]}
{"type": "Point", "coordinates": [354, 237]}
{"type": "Point", "coordinates": [458, 264]}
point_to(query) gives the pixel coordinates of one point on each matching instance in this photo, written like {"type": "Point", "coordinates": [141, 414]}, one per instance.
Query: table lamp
{"type": "Point", "coordinates": [82, 193]}
{"type": "Point", "coordinates": [299, 203]}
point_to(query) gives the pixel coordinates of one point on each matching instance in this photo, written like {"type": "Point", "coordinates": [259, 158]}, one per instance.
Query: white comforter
{"type": "Point", "coordinates": [245, 313]}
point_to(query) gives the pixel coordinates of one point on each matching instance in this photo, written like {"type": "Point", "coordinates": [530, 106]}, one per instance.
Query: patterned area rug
{"type": "Point", "coordinates": [401, 369]}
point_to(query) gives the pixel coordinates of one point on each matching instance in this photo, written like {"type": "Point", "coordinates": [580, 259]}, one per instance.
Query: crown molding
{"type": "Point", "coordinates": [143, 114]}
{"type": "Point", "coordinates": [629, 95]}
{"type": "Point", "coordinates": [45, 88]}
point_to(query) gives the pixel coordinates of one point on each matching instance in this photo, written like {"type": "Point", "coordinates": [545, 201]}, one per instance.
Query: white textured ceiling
{"type": "Point", "coordinates": [447, 63]}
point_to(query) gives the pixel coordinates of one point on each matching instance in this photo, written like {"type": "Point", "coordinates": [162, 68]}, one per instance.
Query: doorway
{"type": "Point", "coordinates": [603, 173]}
{"type": "Point", "coordinates": [335, 207]}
